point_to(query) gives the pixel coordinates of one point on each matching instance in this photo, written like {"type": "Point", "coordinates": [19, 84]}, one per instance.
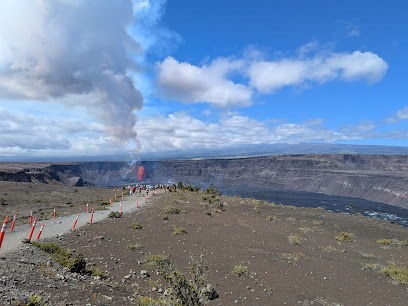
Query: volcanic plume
{"type": "Point", "coordinates": [141, 173]}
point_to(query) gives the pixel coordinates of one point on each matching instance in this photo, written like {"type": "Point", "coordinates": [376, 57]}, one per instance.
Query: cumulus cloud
{"type": "Point", "coordinates": [399, 115]}
{"type": "Point", "coordinates": [52, 49]}
{"type": "Point", "coordinates": [270, 76]}
{"type": "Point", "coordinates": [209, 83]}
{"type": "Point", "coordinates": [214, 83]}
{"type": "Point", "coordinates": [181, 131]}
{"type": "Point", "coordinates": [22, 134]}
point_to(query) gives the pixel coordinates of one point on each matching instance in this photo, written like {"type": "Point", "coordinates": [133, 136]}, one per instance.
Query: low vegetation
{"type": "Point", "coordinates": [384, 241]}
{"type": "Point", "coordinates": [343, 236]}
{"type": "Point", "coordinates": [292, 257]}
{"type": "Point", "coordinates": [295, 239]}
{"type": "Point", "coordinates": [159, 261]}
{"type": "Point", "coordinates": [180, 231]}
{"type": "Point", "coordinates": [136, 225]}
{"type": "Point", "coordinates": [306, 229]}
{"type": "Point", "coordinates": [272, 219]}
{"type": "Point", "coordinates": [65, 258]}
{"type": "Point", "coordinates": [115, 214]}
{"type": "Point", "coordinates": [240, 270]}
{"type": "Point", "coordinates": [184, 289]}
{"type": "Point", "coordinates": [398, 273]}
{"type": "Point", "coordinates": [132, 247]}
{"type": "Point", "coordinates": [171, 210]}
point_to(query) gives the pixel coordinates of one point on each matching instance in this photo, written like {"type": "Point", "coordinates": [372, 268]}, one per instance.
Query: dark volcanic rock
{"type": "Point", "coordinates": [380, 178]}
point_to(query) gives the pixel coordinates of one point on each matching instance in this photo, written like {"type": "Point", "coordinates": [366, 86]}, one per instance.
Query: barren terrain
{"type": "Point", "coordinates": [287, 255]}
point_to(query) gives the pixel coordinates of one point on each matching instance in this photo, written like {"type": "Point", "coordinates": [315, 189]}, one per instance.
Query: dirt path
{"type": "Point", "coordinates": [63, 225]}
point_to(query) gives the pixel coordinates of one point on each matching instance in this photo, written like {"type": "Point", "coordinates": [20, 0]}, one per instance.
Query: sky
{"type": "Point", "coordinates": [95, 78]}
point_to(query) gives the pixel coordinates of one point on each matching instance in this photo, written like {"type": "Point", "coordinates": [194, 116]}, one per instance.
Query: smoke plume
{"type": "Point", "coordinates": [66, 51]}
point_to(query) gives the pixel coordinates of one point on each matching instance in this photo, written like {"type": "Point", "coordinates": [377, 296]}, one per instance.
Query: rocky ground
{"type": "Point", "coordinates": [21, 198]}
{"type": "Point", "coordinates": [257, 253]}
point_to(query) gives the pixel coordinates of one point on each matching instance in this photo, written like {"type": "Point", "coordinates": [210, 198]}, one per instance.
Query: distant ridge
{"type": "Point", "coordinates": [230, 152]}
{"type": "Point", "coordinates": [276, 149]}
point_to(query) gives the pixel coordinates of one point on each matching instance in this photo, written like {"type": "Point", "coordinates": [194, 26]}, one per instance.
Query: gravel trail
{"type": "Point", "coordinates": [63, 225]}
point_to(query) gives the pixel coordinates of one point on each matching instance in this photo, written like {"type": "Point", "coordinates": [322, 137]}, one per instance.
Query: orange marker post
{"type": "Point", "coordinates": [54, 213]}
{"type": "Point", "coordinates": [12, 224]}
{"type": "Point", "coordinates": [76, 220]}
{"type": "Point", "coordinates": [110, 202]}
{"type": "Point", "coordinates": [32, 230]}
{"type": "Point", "coordinates": [87, 208]}
{"type": "Point", "coordinates": [137, 202]}
{"type": "Point", "coordinates": [3, 230]}
{"type": "Point", "coordinates": [122, 195]}
{"type": "Point", "coordinates": [31, 218]}
{"type": "Point", "coordinates": [115, 198]}
{"type": "Point", "coordinates": [41, 228]}
{"type": "Point", "coordinates": [120, 207]}
{"type": "Point", "coordinates": [90, 222]}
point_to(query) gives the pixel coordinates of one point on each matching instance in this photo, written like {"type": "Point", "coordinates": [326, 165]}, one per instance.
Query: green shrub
{"type": "Point", "coordinates": [293, 257]}
{"type": "Point", "coordinates": [115, 214]}
{"type": "Point", "coordinates": [397, 273]}
{"type": "Point", "coordinates": [148, 301]}
{"type": "Point", "coordinates": [64, 257]}
{"type": "Point", "coordinates": [136, 225]}
{"type": "Point", "coordinates": [384, 241]}
{"type": "Point", "coordinates": [190, 291]}
{"type": "Point", "coordinates": [159, 261]}
{"type": "Point", "coordinates": [35, 300]}
{"type": "Point", "coordinates": [97, 273]}
{"type": "Point", "coordinates": [240, 270]}
{"type": "Point", "coordinates": [343, 236]}
{"type": "Point", "coordinates": [132, 247]}
{"type": "Point", "coordinates": [272, 219]}
{"type": "Point", "coordinates": [171, 210]}
{"type": "Point", "coordinates": [213, 191]}
{"type": "Point", "coordinates": [165, 217]}
{"type": "Point", "coordinates": [180, 231]}
{"type": "Point", "coordinates": [295, 239]}
{"type": "Point", "coordinates": [306, 229]}
{"type": "Point", "coordinates": [78, 264]}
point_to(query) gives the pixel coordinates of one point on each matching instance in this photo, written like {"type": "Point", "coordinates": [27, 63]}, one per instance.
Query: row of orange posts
{"type": "Point", "coordinates": [33, 223]}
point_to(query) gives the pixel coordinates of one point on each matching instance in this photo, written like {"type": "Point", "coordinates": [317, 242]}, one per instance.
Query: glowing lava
{"type": "Point", "coordinates": [141, 173]}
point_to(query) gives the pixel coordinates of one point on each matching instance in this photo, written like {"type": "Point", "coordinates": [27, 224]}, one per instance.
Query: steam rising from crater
{"type": "Point", "coordinates": [72, 52]}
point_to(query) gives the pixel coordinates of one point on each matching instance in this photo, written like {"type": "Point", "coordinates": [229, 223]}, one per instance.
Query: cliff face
{"type": "Point", "coordinates": [380, 178]}
{"type": "Point", "coordinates": [376, 178]}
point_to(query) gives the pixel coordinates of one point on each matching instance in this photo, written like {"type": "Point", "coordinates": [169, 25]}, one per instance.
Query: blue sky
{"type": "Point", "coordinates": [98, 78]}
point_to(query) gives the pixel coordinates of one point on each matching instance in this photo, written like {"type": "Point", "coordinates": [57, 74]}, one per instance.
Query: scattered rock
{"type": "Point", "coordinates": [209, 292]}
{"type": "Point", "coordinates": [144, 274]}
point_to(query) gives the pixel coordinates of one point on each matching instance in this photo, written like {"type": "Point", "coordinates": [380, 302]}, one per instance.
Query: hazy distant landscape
{"type": "Point", "coordinates": [376, 185]}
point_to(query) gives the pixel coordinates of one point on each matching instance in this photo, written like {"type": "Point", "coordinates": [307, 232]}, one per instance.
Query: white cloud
{"type": "Point", "coordinates": [32, 136]}
{"type": "Point", "coordinates": [193, 84]}
{"type": "Point", "coordinates": [351, 27]}
{"type": "Point", "coordinates": [52, 49]}
{"type": "Point", "coordinates": [148, 30]}
{"type": "Point", "coordinates": [399, 115]}
{"type": "Point", "coordinates": [213, 83]}
{"type": "Point", "coordinates": [270, 76]}
{"type": "Point", "coordinates": [180, 131]}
